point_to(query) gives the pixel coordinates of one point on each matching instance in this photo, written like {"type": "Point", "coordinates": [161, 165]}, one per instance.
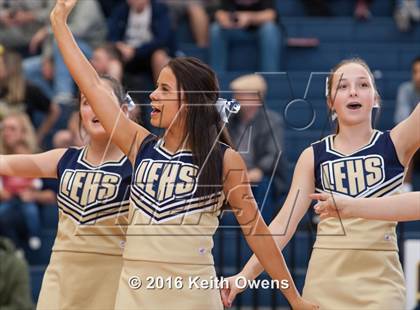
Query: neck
{"type": "Point", "coordinates": [351, 137]}
{"type": "Point", "coordinates": [102, 150]}
{"type": "Point", "coordinates": [175, 140]}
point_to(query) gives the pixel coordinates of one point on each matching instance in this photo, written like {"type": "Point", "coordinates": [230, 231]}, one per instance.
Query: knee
{"type": "Point", "coordinates": [269, 29]}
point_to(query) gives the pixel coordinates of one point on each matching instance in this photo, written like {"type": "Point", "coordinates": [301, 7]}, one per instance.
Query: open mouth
{"type": "Point", "coordinates": [155, 111]}
{"type": "Point", "coordinates": [354, 106]}
{"type": "Point", "coordinates": [95, 121]}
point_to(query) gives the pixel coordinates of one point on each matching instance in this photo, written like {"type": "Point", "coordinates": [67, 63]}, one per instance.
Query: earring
{"type": "Point", "coordinates": [376, 105]}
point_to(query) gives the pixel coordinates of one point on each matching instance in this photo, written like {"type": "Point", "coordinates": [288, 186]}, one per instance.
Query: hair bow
{"type": "Point", "coordinates": [226, 108]}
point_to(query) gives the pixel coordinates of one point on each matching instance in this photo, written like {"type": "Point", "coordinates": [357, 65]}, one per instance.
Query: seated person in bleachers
{"type": "Point", "coordinates": [406, 11]}
{"type": "Point", "coordinates": [15, 291]}
{"type": "Point", "coordinates": [199, 20]}
{"type": "Point", "coordinates": [17, 94]}
{"type": "Point", "coordinates": [237, 19]}
{"type": "Point", "coordinates": [19, 20]}
{"type": "Point", "coordinates": [142, 32]}
{"type": "Point", "coordinates": [72, 135]}
{"type": "Point", "coordinates": [17, 194]}
{"type": "Point", "coordinates": [107, 60]}
{"type": "Point", "coordinates": [257, 134]}
{"type": "Point", "coordinates": [407, 98]}
{"type": "Point", "coordinates": [88, 25]}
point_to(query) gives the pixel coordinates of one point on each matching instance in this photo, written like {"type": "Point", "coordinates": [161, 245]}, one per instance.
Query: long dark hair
{"type": "Point", "coordinates": [204, 126]}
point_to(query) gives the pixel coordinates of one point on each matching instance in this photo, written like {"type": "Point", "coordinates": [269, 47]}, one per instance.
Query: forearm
{"type": "Point", "coordinates": [43, 165]}
{"type": "Point", "coordinates": [262, 17]}
{"type": "Point", "coordinates": [268, 253]}
{"type": "Point", "coordinates": [404, 207]}
{"type": "Point", "coordinates": [15, 165]}
{"type": "Point", "coordinates": [84, 74]}
{"type": "Point", "coordinates": [253, 267]}
{"type": "Point", "coordinates": [126, 134]}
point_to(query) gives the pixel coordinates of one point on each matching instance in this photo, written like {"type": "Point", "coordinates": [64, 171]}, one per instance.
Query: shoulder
{"type": "Point", "coordinates": [319, 145]}
{"type": "Point", "coordinates": [232, 160]}
{"type": "Point", "coordinates": [307, 156]}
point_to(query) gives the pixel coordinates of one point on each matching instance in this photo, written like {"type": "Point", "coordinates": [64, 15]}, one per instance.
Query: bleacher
{"type": "Point", "coordinates": [388, 52]}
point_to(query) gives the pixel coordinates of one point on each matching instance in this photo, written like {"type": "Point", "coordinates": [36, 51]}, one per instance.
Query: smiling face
{"type": "Point", "coordinates": [167, 111]}
{"type": "Point", "coordinates": [352, 94]}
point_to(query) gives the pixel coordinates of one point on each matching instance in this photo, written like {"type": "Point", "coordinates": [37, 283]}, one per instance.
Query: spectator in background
{"type": "Point", "coordinates": [239, 18]}
{"type": "Point", "coordinates": [71, 136]}
{"type": "Point", "coordinates": [257, 134]}
{"type": "Point", "coordinates": [88, 25]}
{"type": "Point", "coordinates": [18, 195]}
{"type": "Point", "coordinates": [406, 11]}
{"type": "Point", "coordinates": [407, 98]}
{"type": "Point", "coordinates": [17, 94]}
{"type": "Point", "coordinates": [15, 290]}
{"type": "Point", "coordinates": [195, 10]}
{"type": "Point", "coordinates": [142, 32]}
{"type": "Point", "coordinates": [19, 20]}
{"type": "Point", "coordinates": [361, 10]}
{"type": "Point", "coordinates": [107, 60]}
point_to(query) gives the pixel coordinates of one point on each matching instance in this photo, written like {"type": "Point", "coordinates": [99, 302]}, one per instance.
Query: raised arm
{"type": "Point", "coordinates": [126, 134]}
{"type": "Point", "coordinates": [257, 234]}
{"type": "Point", "coordinates": [285, 223]}
{"type": "Point", "coordinates": [406, 136]}
{"type": "Point", "coordinates": [404, 207]}
{"type": "Point", "coordinates": [43, 165]}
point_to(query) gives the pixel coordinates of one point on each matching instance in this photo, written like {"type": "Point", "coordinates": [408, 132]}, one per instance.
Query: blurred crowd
{"type": "Point", "coordinates": [131, 40]}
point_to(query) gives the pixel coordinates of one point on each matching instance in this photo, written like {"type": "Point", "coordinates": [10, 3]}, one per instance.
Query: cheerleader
{"type": "Point", "coordinates": [86, 258]}
{"type": "Point", "coordinates": [354, 262]}
{"type": "Point", "coordinates": [179, 184]}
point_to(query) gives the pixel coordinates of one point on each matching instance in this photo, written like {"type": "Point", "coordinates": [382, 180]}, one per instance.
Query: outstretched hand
{"type": "Point", "coordinates": [331, 206]}
{"type": "Point", "coordinates": [62, 9]}
{"type": "Point", "coordinates": [229, 293]}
